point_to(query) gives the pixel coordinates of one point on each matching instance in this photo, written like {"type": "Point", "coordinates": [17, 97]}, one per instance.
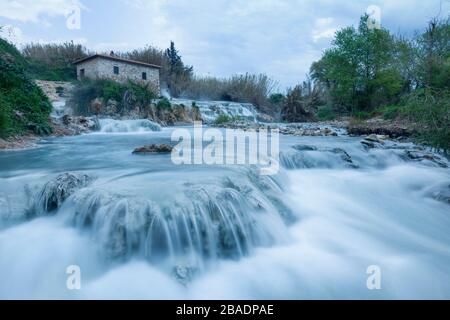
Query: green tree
{"type": "Point", "coordinates": [359, 71]}
{"type": "Point", "coordinates": [433, 55]}
{"type": "Point", "coordinates": [179, 75]}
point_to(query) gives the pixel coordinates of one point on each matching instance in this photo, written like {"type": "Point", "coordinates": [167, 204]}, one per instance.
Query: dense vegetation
{"type": "Point", "coordinates": [53, 62]}
{"type": "Point", "coordinates": [369, 72]}
{"type": "Point", "coordinates": [124, 95]}
{"type": "Point", "coordinates": [23, 106]}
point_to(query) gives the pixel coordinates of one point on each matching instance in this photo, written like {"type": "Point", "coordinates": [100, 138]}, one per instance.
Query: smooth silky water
{"type": "Point", "coordinates": [148, 229]}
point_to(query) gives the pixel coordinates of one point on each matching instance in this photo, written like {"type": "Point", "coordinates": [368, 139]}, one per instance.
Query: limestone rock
{"type": "Point", "coordinates": [56, 191]}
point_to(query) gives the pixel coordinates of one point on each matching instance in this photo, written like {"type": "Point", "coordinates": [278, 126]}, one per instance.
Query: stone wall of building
{"type": "Point", "coordinates": [100, 68]}
{"type": "Point", "coordinates": [90, 69]}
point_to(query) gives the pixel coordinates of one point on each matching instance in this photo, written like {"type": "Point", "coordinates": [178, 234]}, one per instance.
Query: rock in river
{"type": "Point", "coordinates": [56, 191]}
{"type": "Point", "coordinates": [154, 148]}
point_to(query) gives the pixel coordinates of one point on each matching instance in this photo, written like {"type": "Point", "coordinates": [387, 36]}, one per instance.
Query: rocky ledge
{"type": "Point", "coordinates": [76, 125]}
{"type": "Point", "coordinates": [55, 90]}
{"type": "Point", "coordinates": [416, 153]}
{"type": "Point", "coordinates": [66, 126]}
{"type": "Point", "coordinates": [379, 126]}
{"type": "Point", "coordinates": [320, 129]}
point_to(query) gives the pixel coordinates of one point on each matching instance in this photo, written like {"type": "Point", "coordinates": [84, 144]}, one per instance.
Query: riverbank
{"type": "Point", "coordinates": [19, 142]}
{"type": "Point", "coordinates": [66, 126]}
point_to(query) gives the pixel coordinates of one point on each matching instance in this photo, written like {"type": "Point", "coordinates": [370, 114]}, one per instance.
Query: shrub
{"type": "Point", "coordinates": [276, 98]}
{"type": "Point", "coordinates": [105, 89]}
{"type": "Point", "coordinates": [430, 109]}
{"type": "Point", "coordinates": [362, 115]}
{"type": "Point", "coordinates": [389, 112]}
{"type": "Point", "coordinates": [109, 89]}
{"type": "Point", "coordinates": [222, 119]}
{"type": "Point", "coordinates": [164, 103]}
{"type": "Point", "coordinates": [325, 113]}
{"type": "Point", "coordinates": [239, 88]}
{"type": "Point", "coordinates": [142, 94]}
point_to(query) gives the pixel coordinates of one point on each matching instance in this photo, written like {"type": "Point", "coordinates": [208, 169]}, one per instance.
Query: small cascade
{"type": "Point", "coordinates": [304, 157]}
{"type": "Point", "coordinates": [211, 110]}
{"type": "Point", "coordinates": [128, 126]}
{"type": "Point", "coordinates": [60, 109]}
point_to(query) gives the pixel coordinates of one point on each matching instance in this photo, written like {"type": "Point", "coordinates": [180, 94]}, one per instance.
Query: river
{"type": "Point", "coordinates": [145, 228]}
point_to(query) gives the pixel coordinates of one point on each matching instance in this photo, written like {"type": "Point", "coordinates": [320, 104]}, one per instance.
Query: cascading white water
{"type": "Point", "coordinates": [211, 110]}
{"type": "Point", "coordinates": [141, 227]}
{"type": "Point", "coordinates": [123, 126]}
{"type": "Point", "coordinates": [206, 223]}
{"type": "Point", "coordinates": [60, 109]}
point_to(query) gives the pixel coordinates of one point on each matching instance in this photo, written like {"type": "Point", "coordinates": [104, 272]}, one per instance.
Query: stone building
{"type": "Point", "coordinates": [101, 66]}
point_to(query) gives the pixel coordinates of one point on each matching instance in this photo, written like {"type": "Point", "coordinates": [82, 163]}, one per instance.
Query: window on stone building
{"type": "Point", "coordinates": [116, 70]}
{"type": "Point", "coordinates": [144, 75]}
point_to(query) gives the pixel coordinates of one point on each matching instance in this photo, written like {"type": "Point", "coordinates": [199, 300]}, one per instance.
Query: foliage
{"type": "Point", "coordinates": [389, 112]}
{"type": "Point", "coordinates": [276, 98]}
{"type": "Point", "coordinates": [363, 115]}
{"type": "Point", "coordinates": [432, 53]}
{"type": "Point", "coordinates": [89, 90]}
{"type": "Point", "coordinates": [359, 71]}
{"type": "Point", "coordinates": [370, 72]}
{"type": "Point", "coordinates": [179, 74]}
{"type": "Point", "coordinates": [224, 119]}
{"type": "Point", "coordinates": [53, 62]}
{"type": "Point", "coordinates": [430, 109]}
{"type": "Point", "coordinates": [301, 103]}
{"type": "Point", "coordinates": [11, 54]}
{"type": "Point", "coordinates": [239, 88]}
{"type": "Point", "coordinates": [23, 105]}
{"type": "Point", "coordinates": [164, 103]}
{"type": "Point", "coordinates": [325, 113]}
{"type": "Point", "coordinates": [250, 88]}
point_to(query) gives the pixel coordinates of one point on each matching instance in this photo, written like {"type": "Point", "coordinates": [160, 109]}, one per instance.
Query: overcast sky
{"type": "Point", "coordinates": [218, 37]}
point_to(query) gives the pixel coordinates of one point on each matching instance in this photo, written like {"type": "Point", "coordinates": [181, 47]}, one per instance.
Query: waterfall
{"type": "Point", "coordinates": [60, 109]}
{"type": "Point", "coordinates": [210, 110]}
{"type": "Point", "coordinates": [128, 126]}
{"type": "Point", "coordinates": [224, 221]}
